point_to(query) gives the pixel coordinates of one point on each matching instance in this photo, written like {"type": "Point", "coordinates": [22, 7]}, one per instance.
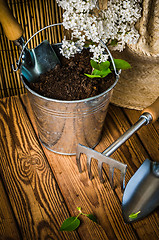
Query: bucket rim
{"type": "Point", "coordinates": [69, 101]}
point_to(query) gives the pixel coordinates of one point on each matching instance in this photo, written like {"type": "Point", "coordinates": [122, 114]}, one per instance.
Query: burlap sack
{"type": "Point", "coordinates": [139, 86]}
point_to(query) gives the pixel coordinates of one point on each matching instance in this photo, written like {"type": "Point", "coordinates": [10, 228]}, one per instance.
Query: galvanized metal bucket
{"type": "Point", "coordinates": [63, 124]}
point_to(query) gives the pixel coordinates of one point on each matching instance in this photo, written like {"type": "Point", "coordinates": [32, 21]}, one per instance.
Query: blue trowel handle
{"type": "Point", "coordinates": [11, 27]}
{"type": "Point", "coordinates": [149, 114]}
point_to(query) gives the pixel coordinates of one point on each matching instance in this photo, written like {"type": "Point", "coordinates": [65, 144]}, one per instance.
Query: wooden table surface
{"type": "Point", "coordinates": [40, 189]}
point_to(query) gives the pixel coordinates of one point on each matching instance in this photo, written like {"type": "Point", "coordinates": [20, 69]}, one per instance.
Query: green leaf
{"type": "Point", "coordinates": [94, 64]}
{"type": "Point", "coordinates": [114, 42]}
{"type": "Point", "coordinates": [134, 215]}
{"type": "Point", "coordinates": [99, 74]}
{"type": "Point", "coordinates": [86, 45]}
{"type": "Point", "coordinates": [104, 65]}
{"type": "Point", "coordinates": [79, 209]}
{"type": "Point", "coordinates": [91, 217]}
{"type": "Point", "coordinates": [70, 224]}
{"type": "Point", "coordinates": [92, 76]}
{"type": "Point", "coordinates": [103, 73]}
{"type": "Point", "coordinates": [96, 72]}
{"type": "Point", "coordinates": [121, 64]}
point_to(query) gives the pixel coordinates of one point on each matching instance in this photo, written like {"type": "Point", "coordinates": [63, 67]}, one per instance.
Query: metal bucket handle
{"type": "Point", "coordinates": [112, 60]}
{"type": "Point", "coordinates": [58, 24]}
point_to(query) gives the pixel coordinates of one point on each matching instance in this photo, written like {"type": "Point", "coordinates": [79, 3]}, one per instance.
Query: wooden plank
{"type": "Point", "coordinates": [8, 226]}
{"type": "Point", "coordinates": [99, 198]}
{"type": "Point", "coordinates": [33, 191]}
{"type": "Point", "coordinates": [92, 196]}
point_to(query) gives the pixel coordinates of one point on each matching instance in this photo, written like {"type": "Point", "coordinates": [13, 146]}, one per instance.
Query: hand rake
{"type": "Point", "coordinates": [147, 116]}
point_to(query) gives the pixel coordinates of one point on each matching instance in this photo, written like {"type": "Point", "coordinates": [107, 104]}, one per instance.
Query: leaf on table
{"type": "Point", "coordinates": [79, 209]}
{"type": "Point", "coordinates": [70, 224]}
{"type": "Point", "coordinates": [92, 217]}
{"type": "Point", "coordinates": [134, 215]}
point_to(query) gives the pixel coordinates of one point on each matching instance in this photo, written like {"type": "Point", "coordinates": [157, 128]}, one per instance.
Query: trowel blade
{"type": "Point", "coordinates": [141, 194]}
{"type": "Point", "coordinates": [38, 61]}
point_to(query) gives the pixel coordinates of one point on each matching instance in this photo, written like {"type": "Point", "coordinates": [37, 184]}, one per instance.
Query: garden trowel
{"type": "Point", "coordinates": [35, 61]}
{"type": "Point", "coordinates": [141, 195]}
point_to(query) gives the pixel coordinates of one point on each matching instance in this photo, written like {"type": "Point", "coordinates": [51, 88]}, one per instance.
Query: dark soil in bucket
{"type": "Point", "coordinates": [68, 82]}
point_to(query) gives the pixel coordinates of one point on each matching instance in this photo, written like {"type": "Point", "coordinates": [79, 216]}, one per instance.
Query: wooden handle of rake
{"type": "Point", "coordinates": [153, 110]}
{"type": "Point", "coordinates": [11, 27]}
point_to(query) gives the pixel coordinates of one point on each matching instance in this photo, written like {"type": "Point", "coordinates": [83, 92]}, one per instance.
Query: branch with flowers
{"type": "Point", "coordinates": [115, 26]}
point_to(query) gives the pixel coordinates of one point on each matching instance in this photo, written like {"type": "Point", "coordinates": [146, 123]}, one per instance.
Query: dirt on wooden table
{"type": "Point", "coordinates": [68, 82]}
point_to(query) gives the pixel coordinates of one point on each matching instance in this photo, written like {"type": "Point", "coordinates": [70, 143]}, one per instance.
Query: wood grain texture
{"type": "Point", "coordinates": [75, 188]}
{"type": "Point", "coordinates": [32, 186]}
{"type": "Point", "coordinates": [99, 198]}
{"type": "Point", "coordinates": [8, 226]}
{"type": "Point", "coordinates": [33, 191]}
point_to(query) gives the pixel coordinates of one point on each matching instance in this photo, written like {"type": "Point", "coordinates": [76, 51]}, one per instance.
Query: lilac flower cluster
{"type": "Point", "coordinates": [115, 24]}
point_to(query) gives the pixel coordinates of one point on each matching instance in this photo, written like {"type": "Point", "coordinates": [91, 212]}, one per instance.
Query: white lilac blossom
{"type": "Point", "coordinates": [98, 53]}
{"type": "Point", "coordinates": [117, 23]}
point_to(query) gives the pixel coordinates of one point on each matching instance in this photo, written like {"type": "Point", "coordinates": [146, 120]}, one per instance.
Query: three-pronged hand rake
{"type": "Point", "coordinates": [103, 157]}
